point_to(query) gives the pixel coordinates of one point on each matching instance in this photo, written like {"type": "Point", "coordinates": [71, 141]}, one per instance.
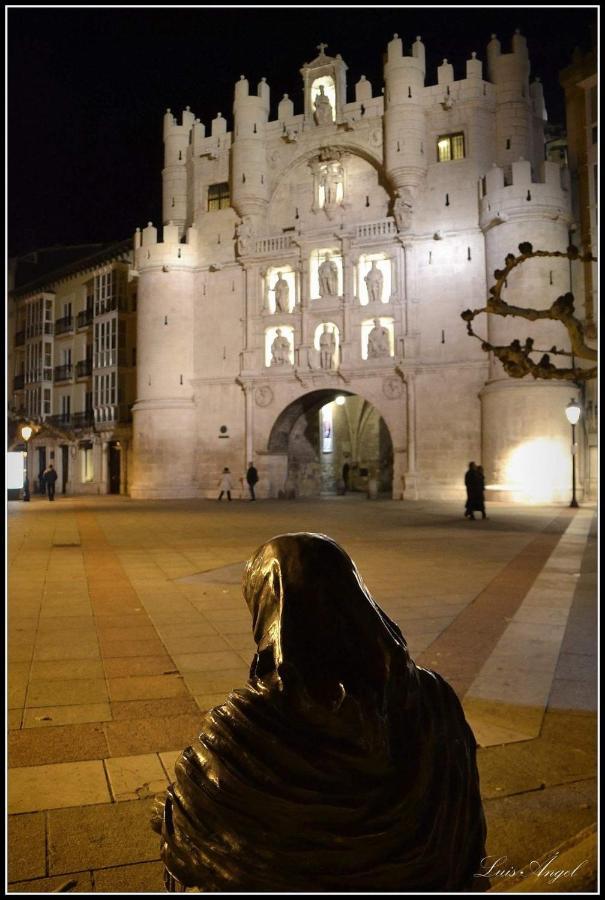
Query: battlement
{"type": "Point", "coordinates": [506, 67]}
{"type": "Point", "coordinates": [243, 95]}
{"type": "Point", "coordinates": [150, 253]}
{"type": "Point", "coordinates": [396, 57]}
{"type": "Point", "coordinates": [172, 127]}
{"type": "Point", "coordinates": [504, 193]}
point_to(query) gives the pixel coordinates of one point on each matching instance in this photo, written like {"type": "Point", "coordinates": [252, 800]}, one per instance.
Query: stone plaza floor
{"type": "Point", "coordinates": [126, 621]}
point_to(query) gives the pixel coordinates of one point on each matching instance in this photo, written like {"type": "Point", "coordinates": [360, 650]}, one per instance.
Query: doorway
{"type": "Point", "coordinates": [114, 462]}
{"type": "Point", "coordinates": [336, 443]}
{"type": "Point", "coordinates": [39, 487]}
{"type": "Point", "coordinates": [64, 466]}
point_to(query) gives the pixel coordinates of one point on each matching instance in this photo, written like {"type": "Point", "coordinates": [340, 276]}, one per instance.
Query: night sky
{"type": "Point", "coordinates": [87, 90]}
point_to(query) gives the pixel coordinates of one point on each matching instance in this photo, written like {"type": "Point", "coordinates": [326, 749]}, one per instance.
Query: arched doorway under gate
{"type": "Point", "coordinates": [322, 431]}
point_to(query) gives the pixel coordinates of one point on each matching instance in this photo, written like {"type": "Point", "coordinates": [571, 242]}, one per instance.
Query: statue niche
{"type": "Point", "coordinates": [328, 180]}
{"type": "Point", "coordinates": [337, 741]}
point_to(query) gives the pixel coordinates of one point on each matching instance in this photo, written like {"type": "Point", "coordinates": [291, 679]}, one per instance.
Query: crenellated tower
{"type": "Point", "coordinates": [174, 173]}
{"type": "Point", "coordinates": [518, 414]}
{"type": "Point", "coordinates": [520, 112]}
{"type": "Point", "coordinates": [249, 171]}
{"type": "Point", "coordinates": [405, 149]}
{"type": "Point", "coordinates": [164, 421]}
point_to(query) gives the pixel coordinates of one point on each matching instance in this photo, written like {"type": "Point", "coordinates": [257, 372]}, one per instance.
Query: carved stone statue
{"type": "Point", "coordinates": [323, 108]}
{"type": "Point", "coordinates": [337, 742]}
{"type": "Point", "coordinates": [245, 236]}
{"type": "Point", "coordinates": [327, 346]}
{"type": "Point", "coordinates": [378, 341]}
{"type": "Point", "coordinates": [403, 210]}
{"type": "Point", "coordinates": [374, 282]}
{"type": "Point", "coordinates": [280, 349]}
{"type": "Point", "coordinates": [331, 180]}
{"type": "Point", "coordinates": [282, 294]}
{"type": "Point", "coordinates": [328, 277]}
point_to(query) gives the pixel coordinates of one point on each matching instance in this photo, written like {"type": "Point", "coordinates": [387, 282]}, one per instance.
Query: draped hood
{"type": "Point", "coordinates": [341, 765]}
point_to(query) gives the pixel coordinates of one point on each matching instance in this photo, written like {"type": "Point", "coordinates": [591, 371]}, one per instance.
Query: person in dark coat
{"type": "Point", "coordinates": [252, 479]}
{"type": "Point", "coordinates": [473, 491]}
{"type": "Point", "coordinates": [50, 476]}
{"type": "Point", "coordinates": [339, 766]}
{"type": "Point", "coordinates": [481, 491]}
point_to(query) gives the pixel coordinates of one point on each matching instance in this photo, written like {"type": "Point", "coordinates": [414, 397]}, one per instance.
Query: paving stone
{"type": "Point", "coordinates": [132, 648]}
{"type": "Point", "coordinates": [151, 735]}
{"type": "Point", "coordinates": [44, 716]}
{"type": "Point", "coordinates": [57, 669]}
{"type": "Point", "coordinates": [67, 650]}
{"type": "Point", "coordinates": [14, 718]}
{"type": "Point", "coordinates": [122, 666]}
{"type": "Point", "coordinates": [100, 836]}
{"type": "Point", "coordinates": [34, 788]}
{"type": "Point", "coordinates": [83, 884]}
{"type": "Point", "coordinates": [168, 759]}
{"type": "Point", "coordinates": [146, 687]}
{"type": "Point", "coordinates": [68, 743]}
{"type": "Point", "coordinates": [135, 777]}
{"type": "Point", "coordinates": [207, 662]}
{"type": "Point", "coordinates": [66, 692]}
{"type": "Point", "coordinates": [143, 632]}
{"type": "Point", "coordinates": [142, 878]}
{"type": "Point", "coordinates": [144, 709]}
{"type": "Point", "coordinates": [214, 682]}
{"type": "Point", "coordinates": [26, 846]}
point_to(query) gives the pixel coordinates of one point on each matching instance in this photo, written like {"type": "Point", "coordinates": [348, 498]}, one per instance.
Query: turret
{"type": "Point", "coordinates": [164, 408]}
{"type": "Point", "coordinates": [509, 73]}
{"type": "Point", "coordinates": [404, 117]}
{"type": "Point", "coordinates": [250, 176]}
{"type": "Point", "coordinates": [174, 174]}
{"type": "Point", "coordinates": [525, 439]}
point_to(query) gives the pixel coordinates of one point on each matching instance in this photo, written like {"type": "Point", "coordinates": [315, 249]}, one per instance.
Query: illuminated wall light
{"type": "Point", "coordinates": [539, 471]}
{"type": "Point", "coordinates": [340, 400]}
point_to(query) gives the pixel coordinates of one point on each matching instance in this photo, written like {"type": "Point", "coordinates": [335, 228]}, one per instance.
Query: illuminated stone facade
{"type": "Point", "coordinates": [375, 221]}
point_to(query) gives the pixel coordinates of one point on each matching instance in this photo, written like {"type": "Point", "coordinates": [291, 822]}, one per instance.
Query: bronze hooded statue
{"type": "Point", "coordinates": [340, 766]}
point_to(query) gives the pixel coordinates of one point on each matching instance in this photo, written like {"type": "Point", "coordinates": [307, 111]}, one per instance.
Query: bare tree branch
{"type": "Point", "coordinates": [516, 358]}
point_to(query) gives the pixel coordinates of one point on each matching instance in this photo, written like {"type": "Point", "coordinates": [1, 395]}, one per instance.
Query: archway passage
{"type": "Point", "coordinates": [336, 442]}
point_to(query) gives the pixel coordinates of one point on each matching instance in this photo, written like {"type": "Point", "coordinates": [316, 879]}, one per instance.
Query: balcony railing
{"type": "Point", "coordinates": [49, 328]}
{"type": "Point", "coordinates": [84, 368]}
{"type": "Point", "coordinates": [372, 230]}
{"type": "Point", "coordinates": [47, 373]}
{"type": "Point", "coordinates": [72, 421]}
{"type": "Point", "coordinates": [84, 318]}
{"type": "Point", "coordinates": [18, 382]}
{"type": "Point", "coordinates": [64, 373]}
{"type": "Point", "coordinates": [19, 338]}
{"type": "Point", "coordinates": [64, 325]}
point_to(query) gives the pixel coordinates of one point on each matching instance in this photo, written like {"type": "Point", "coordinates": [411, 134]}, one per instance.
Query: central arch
{"type": "Point", "coordinates": [317, 435]}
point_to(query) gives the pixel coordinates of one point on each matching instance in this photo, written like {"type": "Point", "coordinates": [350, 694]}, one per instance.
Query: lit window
{"type": "Point", "coordinates": [218, 196]}
{"type": "Point", "coordinates": [450, 146]}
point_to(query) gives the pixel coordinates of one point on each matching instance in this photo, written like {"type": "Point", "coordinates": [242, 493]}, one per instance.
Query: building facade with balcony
{"type": "Point", "coordinates": [301, 308]}
{"type": "Point", "coordinates": [71, 370]}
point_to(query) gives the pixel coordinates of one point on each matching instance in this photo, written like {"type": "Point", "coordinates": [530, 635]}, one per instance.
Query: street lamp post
{"type": "Point", "coordinates": [573, 411]}
{"type": "Point", "coordinates": [26, 433]}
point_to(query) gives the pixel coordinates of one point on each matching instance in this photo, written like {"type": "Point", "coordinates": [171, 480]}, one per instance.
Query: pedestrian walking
{"type": "Point", "coordinates": [473, 498]}
{"type": "Point", "coordinates": [252, 479]}
{"type": "Point", "coordinates": [226, 484]}
{"type": "Point", "coordinates": [481, 491]}
{"type": "Point", "coordinates": [50, 476]}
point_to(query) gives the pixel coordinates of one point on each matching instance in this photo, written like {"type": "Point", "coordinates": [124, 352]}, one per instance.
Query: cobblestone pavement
{"type": "Point", "coordinates": [126, 620]}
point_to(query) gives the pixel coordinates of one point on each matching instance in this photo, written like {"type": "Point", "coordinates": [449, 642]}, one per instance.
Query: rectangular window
{"type": "Point", "coordinates": [218, 196]}
{"type": "Point", "coordinates": [450, 146]}
{"type": "Point", "coordinates": [47, 409]}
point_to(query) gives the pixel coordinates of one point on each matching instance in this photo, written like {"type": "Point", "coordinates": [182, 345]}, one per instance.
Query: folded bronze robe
{"type": "Point", "coordinates": [340, 766]}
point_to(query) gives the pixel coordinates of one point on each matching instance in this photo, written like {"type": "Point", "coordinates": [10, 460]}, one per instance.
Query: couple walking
{"type": "Point", "coordinates": [474, 481]}
{"type": "Point", "coordinates": [226, 482]}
